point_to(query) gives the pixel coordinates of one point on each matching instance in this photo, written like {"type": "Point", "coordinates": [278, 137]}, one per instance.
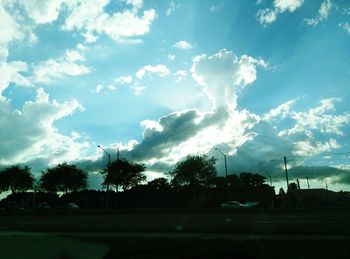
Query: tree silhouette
{"type": "Point", "coordinates": [251, 180]}
{"type": "Point", "coordinates": [159, 184]}
{"type": "Point", "coordinates": [194, 170]}
{"type": "Point", "coordinates": [64, 178]}
{"type": "Point", "coordinates": [218, 182]}
{"type": "Point", "coordinates": [125, 174]}
{"type": "Point", "coordinates": [16, 179]}
{"type": "Point", "coordinates": [293, 187]}
{"type": "Point", "coordinates": [233, 181]}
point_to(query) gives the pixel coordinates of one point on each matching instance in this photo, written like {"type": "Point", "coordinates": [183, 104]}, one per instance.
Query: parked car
{"type": "Point", "coordinates": [231, 204]}
{"type": "Point", "coordinates": [72, 206]}
{"type": "Point", "coordinates": [250, 204]}
{"type": "Point", "coordinates": [43, 206]}
{"type": "Point", "coordinates": [237, 204]}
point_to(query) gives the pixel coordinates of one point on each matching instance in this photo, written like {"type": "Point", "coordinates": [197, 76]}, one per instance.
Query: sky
{"type": "Point", "coordinates": [160, 80]}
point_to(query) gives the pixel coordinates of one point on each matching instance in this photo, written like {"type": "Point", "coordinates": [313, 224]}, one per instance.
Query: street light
{"type": "Point", "coordinates": [222, 153]}
{"type": "Point", "coordinates": [108, 169]}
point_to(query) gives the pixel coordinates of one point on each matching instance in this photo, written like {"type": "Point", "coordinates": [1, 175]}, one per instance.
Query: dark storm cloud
{"type": "Point", "coordinates": [177, 128]}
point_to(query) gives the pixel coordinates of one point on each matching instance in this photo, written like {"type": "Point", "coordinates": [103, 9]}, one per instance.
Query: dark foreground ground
{"type": "Point", "coordinates": [176, 234]}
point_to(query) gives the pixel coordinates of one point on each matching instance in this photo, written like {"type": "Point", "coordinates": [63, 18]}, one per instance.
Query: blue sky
{"type": "Point", "coordinates": [163, 79]}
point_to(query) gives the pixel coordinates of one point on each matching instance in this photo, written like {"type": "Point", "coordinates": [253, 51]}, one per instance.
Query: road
{"type": "Point", "coordinates": [164, 234]}
{"type": "Point", "coordinates": [211, 222]}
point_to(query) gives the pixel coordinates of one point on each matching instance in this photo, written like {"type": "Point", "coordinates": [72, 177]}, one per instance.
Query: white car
{"type": "Point", "coordinates": [236, 204]}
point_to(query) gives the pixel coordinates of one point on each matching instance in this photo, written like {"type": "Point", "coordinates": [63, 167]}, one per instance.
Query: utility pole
{"type": "Point", "coordinates": [118, 154]}
{"type": "Point", "coordinates": [285, 168]}
{"type": "Point", "coordinates": [298, 184]}
{"type": "Point", "coordinates": [222, 153]}
{"type": "Point", "coordinates": [307, 180]}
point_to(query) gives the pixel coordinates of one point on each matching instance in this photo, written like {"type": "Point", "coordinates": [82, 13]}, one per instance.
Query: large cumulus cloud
{"type": "Point", "coordinates": [29, 134]}
{"type": "Point", "coordinates": [252, 142]}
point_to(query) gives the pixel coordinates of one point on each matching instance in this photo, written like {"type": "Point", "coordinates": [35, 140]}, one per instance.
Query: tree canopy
{"type": "Point", "coordinates": [64, 178]}
{"type": "Point", "coordinates": [194, 170]}
{"type": "Point", "coordinates": [251, 180]}
{"type": "Point", "coordinates": [124, 173]}
{"type": "Point", "coordinates": [159, 184]}
{"type": "Point", "coordinates": [16, 179]}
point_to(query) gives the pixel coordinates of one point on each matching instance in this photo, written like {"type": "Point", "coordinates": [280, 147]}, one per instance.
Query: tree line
{"type": "Point", "coordinates": [194, 182]}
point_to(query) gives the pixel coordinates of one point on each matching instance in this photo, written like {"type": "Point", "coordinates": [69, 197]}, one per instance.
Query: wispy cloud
{"type": "Point", "coordinates": [123, 80]}
{"type": "Point", "coordinates": [180, 75]}
{"type": "Point", "coordinates": [171, 9]}
{"type": "Point", "coordinates": [323, 13]}
{"type": "Point", "coordinates": [269, 15]}
{"type": "Point", "coordinates": [345, 26]}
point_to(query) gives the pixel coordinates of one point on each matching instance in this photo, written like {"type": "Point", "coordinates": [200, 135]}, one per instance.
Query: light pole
{"type": "Point", "coordinates": [108, 169]}
{"type": "Point", "coordinates": [222, 153]}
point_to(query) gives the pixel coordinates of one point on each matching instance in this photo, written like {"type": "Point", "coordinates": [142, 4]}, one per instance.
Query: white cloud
{"type": "Point", "coordinates": [112, 87]}
{"type": "Point", "coordinates": [160, 70]}
{"type": "Point", "coordinates": [214, 8]}
{"type": "Point", "coordinates": [81, 47]}
{"type": "Point", "coordinates": [346, 11]}
{"type": "Point", "coordinates": [29, 133]}
{"type": "Point", "coordinates": [266, 16]}
{"type": "Point", "coordinates": [323, 13]}
{"type": "Point", "coordinates": [310, 147]}
{"type": "Point", "coordinates": [172, 7]}
{"type": "Point", "coordinates": [282, 111]}
{"type": "Point", "coordinates": [11, 73]}
{"type": "Point", "coordinates": [91, 20]}
{"type": "Point", "coordinates": [288, 5]}
{"type": "Point", "coordinates": [137, 4]}
{"type": "Point", "coordinates": [137, 89]}
{"type": "Point", "coordinates": [10, 32]}
{"type": "Point", "coordinates": [46, 71]}
{"type": "Point", "coordinates": [269, 15]}
{"type": "Point", "coordinates": [149, 126]}
{"type": "Point", "coordinates": [73, 55]}
{"type": "Point", "coordinates": [42, 11]}
{"type": "Point", "coordinates": [98, 88]}
{"type": "Point", "coordinates": [345, 26]}
{"type": "Point", "coordinates": [252, 142]}
{"type": "Point", "coordinates": [180, 75]}
{"type": "Point", "coordinates": [180, 133]}
{"type": "Point", "coordinates": [319, 118]}
{"type": "Point", "coordinates": [222, 73]}
{"type": "Point", "coordinates": [182, 44]}
{"type": "Point", "coordinates": [123, 80]}
{"type": "Point", "coordinates": [171, 57]}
